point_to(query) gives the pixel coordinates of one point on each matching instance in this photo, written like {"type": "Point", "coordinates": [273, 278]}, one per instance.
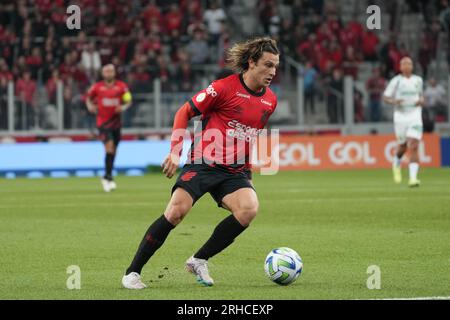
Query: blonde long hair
{"type": "Point", "coordinates": [240, 53]}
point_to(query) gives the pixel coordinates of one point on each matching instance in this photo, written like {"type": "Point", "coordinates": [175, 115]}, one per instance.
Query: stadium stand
{"type": "Point", "coordinates": [182, 43]}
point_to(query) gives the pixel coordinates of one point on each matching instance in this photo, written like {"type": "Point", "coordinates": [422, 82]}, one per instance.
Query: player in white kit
{"type": "Point", "coordinates": [405, 93]}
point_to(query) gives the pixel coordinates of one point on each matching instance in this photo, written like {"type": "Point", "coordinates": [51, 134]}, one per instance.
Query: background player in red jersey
{"type": "Point", "coordinates": [233, 109]}
{"type": "Point", "coordinates": [108, 99]}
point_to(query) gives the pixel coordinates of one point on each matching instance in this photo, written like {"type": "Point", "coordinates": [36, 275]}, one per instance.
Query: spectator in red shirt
{"type": "Point", "coordinates": [369, 46]}
{"type": "Point", "coordinates": [25, 90]}
{"type": "Point", "coordinates": [66, 69]}
{"type": "Point", "coordinates": [351, 63]}
{"type": "Point", "coordinates": [352, 34]}
{"type": "Point", "coordinates": [335, 53]}
{"type": "Point", "coordinates": [173, 19]}
{"type": "Point", "coordinates": [152, 12]}
{"type": "Point", "coordinates": [44, 6]}
{"type": "Point", "coordinates": [192, 14]}
{"type": "Point", "coordinates": [4, 71]}
{"type": "Point", "coordinates": [105, 29]}
{"type": "Point", "coordinates": [34, 61]}
{"type": "Point", "coordinates": [333, 24]}
{"type": "Point", "coordinates": [355, 27]}
{"type": "Point", "coordinates": [306, 50]}
{"type": "Point", "coordinates": [51, 87]}
{"type": "Point", "coordinates": [323, 33]}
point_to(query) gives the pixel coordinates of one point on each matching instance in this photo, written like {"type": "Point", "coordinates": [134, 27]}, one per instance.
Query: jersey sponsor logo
{"type": "Point", "coordinates": [242, 132]}
{"type": "Point", "coordinates": [266, 102]}
{"type": "Point", "coordinates": [211, 91]}
{"type": "Point", "coordinates": [246, 96]}
{"type": "Point", "coordinates": [408, 93]}
{"type": "Point", "coordinates": [200, 97]}
{"type": "Point", "coordinates": [110, 102]}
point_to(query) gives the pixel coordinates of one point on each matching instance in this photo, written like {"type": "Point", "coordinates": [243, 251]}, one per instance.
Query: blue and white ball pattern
{"type": "Point", "coordinates": [283, 266]}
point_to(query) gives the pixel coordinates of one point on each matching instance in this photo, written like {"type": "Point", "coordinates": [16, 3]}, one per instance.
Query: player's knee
{"type": "Point", "coordinates": [414, 145]}
{"type": "Point", "coordinates": [246, 213]}
{"type": "Point", "coordinates": [176, 212]}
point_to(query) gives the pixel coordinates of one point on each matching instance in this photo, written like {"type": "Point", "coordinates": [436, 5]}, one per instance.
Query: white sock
{"type": "Point", "coordinates": [413, 170]}
{"type": "Point", "coordinates": [397, 161]}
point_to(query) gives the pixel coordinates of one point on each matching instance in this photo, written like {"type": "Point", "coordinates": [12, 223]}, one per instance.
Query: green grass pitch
{"type": "Point", "coordinates": [340, 223]}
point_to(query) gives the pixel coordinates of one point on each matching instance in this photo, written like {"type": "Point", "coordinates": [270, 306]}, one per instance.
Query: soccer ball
{"type": "Point", "coordinates": [283, 266]}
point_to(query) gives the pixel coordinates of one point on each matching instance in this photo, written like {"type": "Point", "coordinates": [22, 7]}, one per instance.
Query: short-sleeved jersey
{"type": "Point", "coordinates": [232, 117]}
{"type": "Point", "coordinates": [409, 90]}
{"type": "Point", "coordinates": [107, 98]}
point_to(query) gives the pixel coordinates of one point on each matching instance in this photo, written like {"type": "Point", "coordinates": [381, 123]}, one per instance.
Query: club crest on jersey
{"type": "Point", "coordinates": [200, 97]}
{"type": "Point", "coordinates": [211, 91]}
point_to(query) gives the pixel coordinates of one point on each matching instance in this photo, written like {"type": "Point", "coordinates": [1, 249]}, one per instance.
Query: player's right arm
{"type": "Point", "coordinates": [202, 102]}
{"type": "Point", "coordinates": [91, 94]}
{"type": "Point", "coordinates": [180, 123]}
{"type": "Point", "coordinates": [389, 93]}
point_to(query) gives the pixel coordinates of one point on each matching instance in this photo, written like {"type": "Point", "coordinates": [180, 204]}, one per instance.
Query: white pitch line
{"type": "Point", "coordinates": [366, 199]}
{"type": "Point", "coordinates": [75, 205]}
{"type": "Point", "coordinates": [417, 298]}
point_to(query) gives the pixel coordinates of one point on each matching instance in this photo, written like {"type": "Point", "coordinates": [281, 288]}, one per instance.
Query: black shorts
{"type": "Point", "coordinates": [106, 134]}
{"type": "Point", "coordinates": [198, 179]}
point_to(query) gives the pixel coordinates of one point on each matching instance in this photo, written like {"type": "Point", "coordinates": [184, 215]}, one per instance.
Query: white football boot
{"type": "Point", "coordinates": [199, 267]}
{"type": "Point", "coordinates": [414, 183]}
{"type": "Point", "coordinates": [112, 185]}
{"type": "Point", "coordinates": [106, 185]}
{"type": "Point", "coordinates": [133, 281]}
{"type": "Point", "coordinates": [397, 173]}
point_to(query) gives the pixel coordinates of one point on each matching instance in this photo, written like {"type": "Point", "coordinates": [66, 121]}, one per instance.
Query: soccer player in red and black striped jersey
{"type": "Point", "coordinates": [108, 99]}
{"type": "Point", "coordinates": [233, 110]}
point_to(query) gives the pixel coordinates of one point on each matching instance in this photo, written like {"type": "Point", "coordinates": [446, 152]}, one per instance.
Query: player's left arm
{"type": "Point", "coordinates": [127, 100]}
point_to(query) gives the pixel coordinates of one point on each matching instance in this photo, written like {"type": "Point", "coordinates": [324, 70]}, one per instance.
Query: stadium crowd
{"type": "Point", "coordinates": [173, 40]}
{"type": "Point", "coordinates": [314, 34]}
